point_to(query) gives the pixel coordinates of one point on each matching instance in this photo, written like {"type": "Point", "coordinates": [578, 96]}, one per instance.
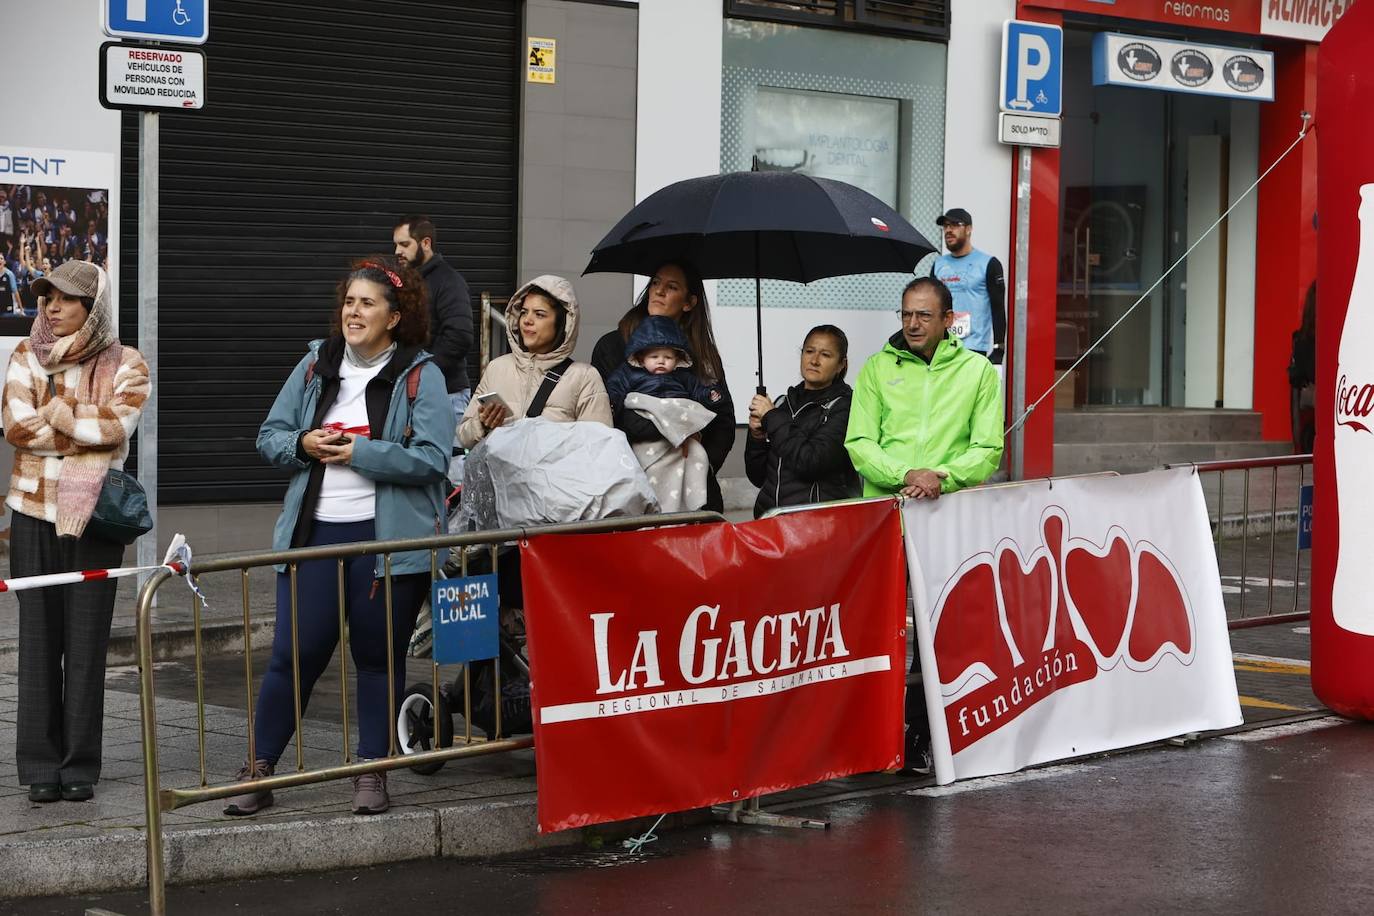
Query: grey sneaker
{"type": "Point", "coordinates": [253, 801]}
{"type": "Point", "coordinates": [924, 764]}
{"type": "Point", "coordinates": [369, 794]}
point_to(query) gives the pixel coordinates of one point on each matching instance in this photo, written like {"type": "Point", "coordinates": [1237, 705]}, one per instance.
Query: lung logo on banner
{"type": "Point", "coordinates": [1059, 588]}
{"type": "Point", "coordinates": [1066, 620]}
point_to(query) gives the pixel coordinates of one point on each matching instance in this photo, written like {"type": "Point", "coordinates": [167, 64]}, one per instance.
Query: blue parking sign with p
{"type": "Point", "coordinates": [1032, 68]}
{"type": "Point", "coordinates": [465, 619]}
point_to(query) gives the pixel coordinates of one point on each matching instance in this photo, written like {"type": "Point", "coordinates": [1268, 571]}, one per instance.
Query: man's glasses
{"type": "Point", "coordinates": [923, 317]}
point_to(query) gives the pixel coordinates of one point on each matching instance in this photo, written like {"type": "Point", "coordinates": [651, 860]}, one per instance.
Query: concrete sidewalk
{"type": "Point", "coordinates": [476, 807]}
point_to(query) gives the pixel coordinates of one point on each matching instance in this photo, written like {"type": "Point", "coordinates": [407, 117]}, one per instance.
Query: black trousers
{"type": "Point", "coordinates": [63, 634]}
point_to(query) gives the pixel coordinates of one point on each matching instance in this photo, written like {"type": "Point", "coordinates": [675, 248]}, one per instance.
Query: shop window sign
{"type": "Point", "coordinates": [1151, 63]}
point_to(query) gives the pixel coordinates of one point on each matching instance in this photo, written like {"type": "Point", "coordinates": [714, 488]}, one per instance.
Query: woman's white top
{"type": "Point", "coordinates": [346, 495]}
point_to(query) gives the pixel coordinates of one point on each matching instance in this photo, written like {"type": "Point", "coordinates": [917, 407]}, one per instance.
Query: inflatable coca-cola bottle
{"type": "Point", "coordinates": [1352, 594]}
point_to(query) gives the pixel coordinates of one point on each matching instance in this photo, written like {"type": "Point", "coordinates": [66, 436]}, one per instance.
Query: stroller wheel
{"type": "Point", "coordinates": [416, 722]}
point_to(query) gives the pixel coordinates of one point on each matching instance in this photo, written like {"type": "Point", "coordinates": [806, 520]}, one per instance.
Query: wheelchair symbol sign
{"type": "Point", "coordinates": [177, 21]}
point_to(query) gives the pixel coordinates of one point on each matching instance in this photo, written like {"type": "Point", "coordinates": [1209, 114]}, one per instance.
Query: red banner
{"type": "Point", "coordinates": [681, 667]}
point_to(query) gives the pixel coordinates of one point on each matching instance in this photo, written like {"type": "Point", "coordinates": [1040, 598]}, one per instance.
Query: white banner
{"type": "Point", "coordinates": [1067, 618]}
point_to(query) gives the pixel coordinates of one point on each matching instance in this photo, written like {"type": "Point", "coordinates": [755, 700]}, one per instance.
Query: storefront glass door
{"type": "Point", "coordinates": [1113, 197]}
{"type": "Point", "coordinates": [1143, 174]}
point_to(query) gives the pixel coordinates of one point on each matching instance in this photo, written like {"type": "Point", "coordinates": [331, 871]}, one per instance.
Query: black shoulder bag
{"type": "Point", "coordinates": [121, 510]}
{"type": "Point", "coordinates": [551, 380]}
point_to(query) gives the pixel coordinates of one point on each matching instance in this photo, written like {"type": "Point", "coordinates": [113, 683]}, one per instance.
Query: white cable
{"type": "Point", "coordinates": [1145, 295]}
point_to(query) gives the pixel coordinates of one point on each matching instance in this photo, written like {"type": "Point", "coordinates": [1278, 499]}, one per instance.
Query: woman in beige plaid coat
{"type": "Point", "coordinates": [72, 399]}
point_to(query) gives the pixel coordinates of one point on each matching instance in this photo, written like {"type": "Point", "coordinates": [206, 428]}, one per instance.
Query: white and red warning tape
{"type": "Point", "coordinates": [178, 560]}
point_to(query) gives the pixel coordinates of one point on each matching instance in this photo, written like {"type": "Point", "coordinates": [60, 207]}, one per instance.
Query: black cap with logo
{"type": "Point", "coordinates": [954, 215]}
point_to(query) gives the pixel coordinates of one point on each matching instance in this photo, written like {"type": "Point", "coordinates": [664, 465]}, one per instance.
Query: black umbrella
{"type": "Point", "coordinates": [773, 225]}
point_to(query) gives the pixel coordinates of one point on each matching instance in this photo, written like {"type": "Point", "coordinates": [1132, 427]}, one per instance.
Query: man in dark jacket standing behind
{"type": "Point", "coordinates": [450, 304]}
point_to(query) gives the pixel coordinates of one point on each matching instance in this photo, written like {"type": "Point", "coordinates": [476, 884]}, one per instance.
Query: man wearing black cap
{"type": "Point", "coordinates": [979, 287]}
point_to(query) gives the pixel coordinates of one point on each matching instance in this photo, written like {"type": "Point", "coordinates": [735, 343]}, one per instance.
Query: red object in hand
{"type": "Point", "coordinates": [364, 431]}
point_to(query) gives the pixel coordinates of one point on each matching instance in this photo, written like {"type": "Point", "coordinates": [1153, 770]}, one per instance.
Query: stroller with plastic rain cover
{"type": "Point", "coordinates": [534, 472]}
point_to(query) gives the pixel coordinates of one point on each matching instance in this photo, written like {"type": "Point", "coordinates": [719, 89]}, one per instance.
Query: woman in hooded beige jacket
{"type": "Point", "coordinates": [541, 327]}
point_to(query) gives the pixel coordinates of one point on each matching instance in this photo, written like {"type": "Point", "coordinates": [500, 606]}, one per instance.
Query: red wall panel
{"type": "Point", "coordinates": [1286, 242]}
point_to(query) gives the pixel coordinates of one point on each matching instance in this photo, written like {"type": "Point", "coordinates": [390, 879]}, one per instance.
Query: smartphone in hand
{"type": "Point", "coordinates": [488, 398]}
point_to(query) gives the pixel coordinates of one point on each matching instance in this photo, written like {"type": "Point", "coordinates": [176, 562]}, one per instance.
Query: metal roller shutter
{"type": "Point", "coordinates": [325, 120]}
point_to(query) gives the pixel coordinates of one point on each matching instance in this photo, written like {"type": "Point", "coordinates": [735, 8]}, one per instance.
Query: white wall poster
{"type": "Point", "coordinates": [850, 138]}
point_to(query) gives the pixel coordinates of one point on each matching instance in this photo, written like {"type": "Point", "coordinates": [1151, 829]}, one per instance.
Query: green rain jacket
{"type": "Point", "coordinates": [945, 416]}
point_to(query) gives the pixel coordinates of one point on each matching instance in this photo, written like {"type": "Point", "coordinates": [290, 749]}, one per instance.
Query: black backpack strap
{"type": "Point", "coordinates": [551, 380]}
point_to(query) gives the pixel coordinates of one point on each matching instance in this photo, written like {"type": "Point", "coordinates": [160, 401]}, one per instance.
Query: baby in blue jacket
{"type": "Point", "coordinates": [659, 364]}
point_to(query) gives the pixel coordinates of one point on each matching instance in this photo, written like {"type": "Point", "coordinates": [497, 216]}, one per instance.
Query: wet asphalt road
{"type": "Point", "coordinates": [1277, 825]}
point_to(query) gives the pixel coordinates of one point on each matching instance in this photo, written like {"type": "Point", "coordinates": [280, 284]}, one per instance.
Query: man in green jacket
{"type": "Point", "coordinates": [927, 413]}
{"type": "Point", "coordinates": [926, 419]}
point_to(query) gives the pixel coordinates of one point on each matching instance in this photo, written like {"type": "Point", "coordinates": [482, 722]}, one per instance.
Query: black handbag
{"type": "Point", "coordinates": [121, 510]}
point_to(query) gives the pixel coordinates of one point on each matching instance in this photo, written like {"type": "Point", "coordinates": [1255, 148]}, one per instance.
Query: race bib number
{"type": "Point", "coordinates": [963, 323]}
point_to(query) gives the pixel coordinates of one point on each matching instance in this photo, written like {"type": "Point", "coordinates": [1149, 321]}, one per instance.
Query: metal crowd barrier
{"type": "Point", "coordinates": [1255, 520]}
{"type": "Point", "coordinates": [158, 800]}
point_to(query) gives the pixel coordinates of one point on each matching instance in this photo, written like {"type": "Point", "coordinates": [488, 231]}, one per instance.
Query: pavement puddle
{"type": "Point", "coordinates": [1285, 731]}
{"type": "Point", "coordinates": [997, 782]}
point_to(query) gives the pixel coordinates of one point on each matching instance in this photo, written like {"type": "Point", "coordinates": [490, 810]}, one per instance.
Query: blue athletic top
{"type": "Point", "coordinates": [967, 279]}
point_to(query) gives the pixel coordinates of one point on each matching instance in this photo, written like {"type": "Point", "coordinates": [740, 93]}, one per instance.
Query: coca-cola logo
{"type": "Point", "coordinates": [1013, 628]}
{"type": "Point", "coordinates": [1354, 404]}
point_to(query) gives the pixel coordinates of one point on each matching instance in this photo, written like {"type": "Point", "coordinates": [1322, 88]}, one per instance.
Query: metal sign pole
{"type": "Point", "coordinates": [1022, 293]}
{"type": "Point", "coordinates": [147, 324]}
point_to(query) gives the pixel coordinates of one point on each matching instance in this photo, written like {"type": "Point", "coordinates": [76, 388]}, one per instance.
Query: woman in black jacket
{"type": "Point", "coordinates": [795, 454]}
{"type": "Point", "coordinates": [676, 291]}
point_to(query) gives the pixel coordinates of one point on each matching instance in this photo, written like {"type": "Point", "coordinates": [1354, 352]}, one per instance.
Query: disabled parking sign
{"type": "Point", "coordinates": [465, 619]}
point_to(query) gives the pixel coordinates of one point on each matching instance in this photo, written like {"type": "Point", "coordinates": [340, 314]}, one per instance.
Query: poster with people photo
{"type": "Point", "coordinates": [40, 228]}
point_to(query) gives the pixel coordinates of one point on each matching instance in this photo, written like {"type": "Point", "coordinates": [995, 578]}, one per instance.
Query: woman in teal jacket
{"type": "Point", "coordinates": [365, 425]}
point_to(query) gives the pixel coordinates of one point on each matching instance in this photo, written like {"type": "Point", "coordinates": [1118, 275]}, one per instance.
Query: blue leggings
{"type": "Point", "coordinates": [317, 615]}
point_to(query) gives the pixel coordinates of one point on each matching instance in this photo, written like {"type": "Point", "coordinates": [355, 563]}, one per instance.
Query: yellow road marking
{"type": "Point", "coordinates": [1273, 667]}
{"type": "Point", "coordinates": [1267, 704]}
